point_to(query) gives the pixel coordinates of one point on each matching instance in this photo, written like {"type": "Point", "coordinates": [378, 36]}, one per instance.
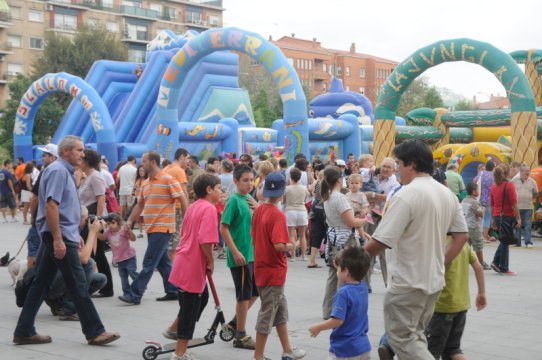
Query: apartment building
{"type": "Point", "coordinates": [316, 65]}
{"type": "Point", "coordinates": [24, 23]}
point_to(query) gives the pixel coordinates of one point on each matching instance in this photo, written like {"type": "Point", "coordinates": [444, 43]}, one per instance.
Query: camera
{"type": "Point", "coordinates": [105, 218]}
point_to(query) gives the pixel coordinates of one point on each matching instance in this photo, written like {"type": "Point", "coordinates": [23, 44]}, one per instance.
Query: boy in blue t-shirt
{"type": "Point", "coordinates": [349, 319]}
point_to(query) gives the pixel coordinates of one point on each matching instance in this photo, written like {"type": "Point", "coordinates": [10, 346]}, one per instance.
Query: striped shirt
{"type": "Point", "coordinates": [159, 194]}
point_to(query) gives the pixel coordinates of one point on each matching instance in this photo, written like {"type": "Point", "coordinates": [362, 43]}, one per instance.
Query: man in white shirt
{"type": "Point", "coordinates": [126, 180]}
{"type": "Point", "coordinates": [526, 190]}
{"type": "Point", "coordinates": [414, 228]}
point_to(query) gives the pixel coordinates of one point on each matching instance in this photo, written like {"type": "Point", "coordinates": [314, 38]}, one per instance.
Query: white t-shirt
{"type": "Point", "coordinates": [126, 175]}
{"type": "Point", "coordinates": [108, 178]}
{"type": "Point", "coordinates": [414, 228]}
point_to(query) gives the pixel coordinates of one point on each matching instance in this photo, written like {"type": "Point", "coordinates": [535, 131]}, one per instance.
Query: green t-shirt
{"type": "Point", "coordinates": [238, 217]}
{"type": "Point", "coordinates": [455, 295]}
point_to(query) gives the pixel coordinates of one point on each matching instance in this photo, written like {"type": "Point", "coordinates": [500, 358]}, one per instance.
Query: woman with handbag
{"type": "Point", "coordinates": [505, 217]}
{"type": "Point", "coordinates": [340, 220]}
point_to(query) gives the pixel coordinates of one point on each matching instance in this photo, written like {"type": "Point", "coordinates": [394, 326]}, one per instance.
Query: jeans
{"type": "Point", "coordinates": [95, 281]}
{"type": "Point", "coordinates": [127, 268]}
{"type": "Point", "coordinates": [103, 267]}
{"type": "Point", "coordinates": [526, 225]}
{"type": "Point", "coordinates": [76, 282]}
{"type": "Point", "coordinates": [156, 257]}
{"type": "Point", "coordinates": [502, 254]}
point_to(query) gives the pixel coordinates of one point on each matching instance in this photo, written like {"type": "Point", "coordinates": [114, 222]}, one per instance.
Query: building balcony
{"type": "Point", "coordinates": [139, 37]}
{"type": "Point", "coordinates": [212, 4]}
{"type": "Point", "coordinates": [64, 28]}
{"type": "Point", "coordinates": [320, 75]}
{"type": "Point", "coordinates": [138, 12]}
{"type": "Point", "coordinates": [5, 19]}
{"type": "Point", "coordinates": [196, 23]}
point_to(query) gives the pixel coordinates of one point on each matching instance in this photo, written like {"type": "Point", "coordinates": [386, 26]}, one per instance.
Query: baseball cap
{"type": "Point", "coordinates": [340, 162]}
{"type": "Point", "coordinates": [50, 149]}
{"type": "Point", "coordinates": [275, 184]}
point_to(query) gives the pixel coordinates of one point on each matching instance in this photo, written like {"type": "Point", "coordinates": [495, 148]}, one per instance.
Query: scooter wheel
{"type": "Point", "coordinates": [227, 335]}
{"type": "Point", "coordinates": [150, 352]}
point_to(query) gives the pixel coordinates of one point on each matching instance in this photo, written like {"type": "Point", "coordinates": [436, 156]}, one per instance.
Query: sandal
{"type": "Point", "coordinates": [315, 266]}
{"type": "Point", "coordinates": [221, 256]}
{"type": "Point", "coordinates": [246, 342]}
{"type": "Point", "coordinates": [104, 338]}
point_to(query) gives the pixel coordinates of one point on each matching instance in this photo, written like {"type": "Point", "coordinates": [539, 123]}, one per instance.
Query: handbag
{"type": "Point", "coordinates": [506, 224]}
{"type": "Point", "coordinates": [352, 240]}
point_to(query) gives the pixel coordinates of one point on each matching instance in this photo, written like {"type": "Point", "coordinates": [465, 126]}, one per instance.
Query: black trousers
{"type": "Point", "coordinates": [103, 267]}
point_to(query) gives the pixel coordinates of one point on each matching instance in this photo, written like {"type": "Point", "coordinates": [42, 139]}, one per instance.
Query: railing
{"type": "Point", "coordinates": [5, 16]}
{"type": "Point", "coordinates": [132, 10]}
{"type": "Point", "coordinates": [207, 2]}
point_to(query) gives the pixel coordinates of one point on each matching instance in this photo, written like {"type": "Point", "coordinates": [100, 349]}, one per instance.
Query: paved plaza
{"type": "Point", "coordinates": [509, 328]}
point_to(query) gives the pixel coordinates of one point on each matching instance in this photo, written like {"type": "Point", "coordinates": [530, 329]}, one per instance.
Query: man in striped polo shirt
{"type": "Point", "coordinates": [157, 202]}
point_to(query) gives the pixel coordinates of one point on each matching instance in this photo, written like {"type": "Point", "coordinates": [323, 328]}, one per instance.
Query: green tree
{"type": "Point", "coordinates": [432, 98]}
{"type": "Point", "coordinates": [46, 120]}
{"type": "Point", "coordinates": [413, 97]}
{"type": "Point", "coordinates": [76, 55]}
{"type": "Point", "coordinates": [463, 105]}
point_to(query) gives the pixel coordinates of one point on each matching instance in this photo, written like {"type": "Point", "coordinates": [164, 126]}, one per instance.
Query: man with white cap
{"type": "Point", "coordinates": [48, 155]}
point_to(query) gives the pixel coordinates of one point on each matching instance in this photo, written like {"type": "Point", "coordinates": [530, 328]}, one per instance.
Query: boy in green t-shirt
{"type": "Point", "coordinates": [235, 227]}
{"type": "Point", "coordinates": [448, 322]}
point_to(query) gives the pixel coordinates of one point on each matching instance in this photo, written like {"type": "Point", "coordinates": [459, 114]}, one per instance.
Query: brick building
{"type": "Point", "coordinates": [316, 64]}
{"type": "Point", "coordinates": [23, 24]}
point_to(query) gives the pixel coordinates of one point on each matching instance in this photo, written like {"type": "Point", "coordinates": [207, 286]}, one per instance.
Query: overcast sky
{"type": "Point", "coordinates": [395, 29]}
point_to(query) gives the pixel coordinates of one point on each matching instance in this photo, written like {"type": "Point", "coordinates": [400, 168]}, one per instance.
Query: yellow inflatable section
{"type": "Point", "coordinates": [444, 153]}
{"type": "Point", "coordinates": [469, 156]}
{"type": "Point", "coordinates": [490, 134]}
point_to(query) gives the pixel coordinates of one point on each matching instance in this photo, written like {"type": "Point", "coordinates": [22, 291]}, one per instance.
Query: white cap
{"type": "Point", "coordinates": [340, 162]}
{"type": "Point", "coordinates": [50, 149]}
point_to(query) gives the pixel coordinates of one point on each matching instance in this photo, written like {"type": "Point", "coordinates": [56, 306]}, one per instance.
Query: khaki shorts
{"type": "Point", "coordinates": [176, 236]}
{"type": "Point", "coordinates": [273, 310]}
{"type": "Point", "coordinates": [126, 200]}
{"type": "Point", "coordinates": [475, 239]}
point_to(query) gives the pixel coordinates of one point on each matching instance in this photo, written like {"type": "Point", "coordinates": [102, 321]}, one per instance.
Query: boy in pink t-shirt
{"type": "Point", "coordinates": [194, 259]}
{"type": "Point", "coordinates": [124, 254]}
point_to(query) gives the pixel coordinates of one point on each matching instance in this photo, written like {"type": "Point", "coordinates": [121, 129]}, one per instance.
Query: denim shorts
{"type": "Point", "coordinates": [487, 218]}
{"type": "Point", "coordinates": [34, 241]}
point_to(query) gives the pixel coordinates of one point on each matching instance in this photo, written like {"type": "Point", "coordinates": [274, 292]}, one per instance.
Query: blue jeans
{"type": "Point", "coordinates": [74, 276]}
{"type": "Point", "coordinates": [127, 268]}
{"type": "Point", "coordinates": [155, 258]}
{"type": "Point", "coordinates": [526, 225]}
{"type": "Point", "coordinates": [33, 240]}
{"type": "Point", "coordinates": [502, 254]}
{"type": "Point", "coordinates": [95, 282]}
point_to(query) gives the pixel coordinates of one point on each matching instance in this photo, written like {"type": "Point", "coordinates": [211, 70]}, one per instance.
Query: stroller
{"type": "Point", "coordinates": [227, 332]}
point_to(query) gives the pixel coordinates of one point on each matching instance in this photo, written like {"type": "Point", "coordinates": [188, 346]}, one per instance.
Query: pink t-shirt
{"type": "Point", "coordinates": [120, 245]}
{"type": "Point", "coordinates": [200, 226]}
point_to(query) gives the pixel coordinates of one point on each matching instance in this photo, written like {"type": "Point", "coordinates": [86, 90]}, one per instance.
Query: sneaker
{"type": "Point", "coordinates": [168, 334]}
{"type": "Point", "coordinates": [495, 267]}
{"type": "Point", "coordinates": [13, 220]}
{"type": "Point", "coordinates": [296, 353]}
{"type": "Point", "coordinates": [140, 236]}
{"type": "Point", "coordinates": [485, 266]}
{"type": "Point", "coordinates": [384, 353]}
{"type": "Point", "coordinates": [246, 342]}
{"type": "Point", "coordinates": [71, 317]}
{"type": "Point", "coordinates": [509, 273]}
{"type": "Point", "coordinates": [529, 246]}
{"type": "Point", "coordinates": [262, 358]}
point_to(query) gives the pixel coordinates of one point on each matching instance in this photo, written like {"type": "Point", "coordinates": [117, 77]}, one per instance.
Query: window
{"type": "Point", "coordinates": [347, 88]}
{"type": "Point", "coordinates": [362, 90]}
{"type": "Point", "coordinates": [112, 26]}
{"type": "Point", "coordinates": [290, 61]}
{"type": "Point", "coordinates": [35, 15]}
{"type": "Point", "coordinates": [136, 55]}
{"type": "Point", "coordinates": [93, 23]}
{"type": "Point", "coordinates": [324, 67]}
{"type": "Point", "coordinates": [214, 20]}
{"type": "Point", "coordinates": [347, 70]}
{"type": "Point", "coordinates": [193, 17]}
{"type": "Point", "coordinates": [361, 73]}
{"type": "Point", "coordinates": [331, 69]}
{"type": "Point", "coordinates": [15, 41]}
{"type": "Point", "coordinates": [310, 64]}
{"type": "Point", "coordinates": [324, 87]}
{"type": "Point", "coordinates": [15, 12]}
{"type": "Point", "coordinates": [339, 71]}
{"type": "Point", "coordinates": [169, 13]}
{"type": "Point", "coordinates": [107, 4]}
{"type": "Point", "coordinates": [157, 8]}
{"type": "Point", "coordinates": [136, 32]}
{"type": "Point", "coordinates": [14, 69]}
{"type": "Point", "coordinates": [65, 22]}
{"type": "Point", "coordinates": [36, 43]}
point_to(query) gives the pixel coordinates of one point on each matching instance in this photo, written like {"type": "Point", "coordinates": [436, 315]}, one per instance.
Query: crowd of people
{"type": "Point", "coordinates": [258, 214]}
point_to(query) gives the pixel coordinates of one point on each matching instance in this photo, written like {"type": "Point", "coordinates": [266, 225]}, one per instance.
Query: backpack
{"type": "Point", "coordinates": [22, 287]}
{"type": "Point", "coordinates": [111, 202]}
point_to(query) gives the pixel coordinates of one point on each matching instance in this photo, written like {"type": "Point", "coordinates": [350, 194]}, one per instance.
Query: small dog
{"type": "Point", "coordinates": [16, 268]}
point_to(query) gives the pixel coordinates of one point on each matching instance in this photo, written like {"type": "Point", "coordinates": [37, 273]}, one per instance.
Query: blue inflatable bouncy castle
{"type": "Point", "coordinates": [187, 95]}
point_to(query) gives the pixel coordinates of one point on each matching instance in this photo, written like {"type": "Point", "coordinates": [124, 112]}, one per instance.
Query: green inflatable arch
{"type": "Point", "coordinates": [492, 59]}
